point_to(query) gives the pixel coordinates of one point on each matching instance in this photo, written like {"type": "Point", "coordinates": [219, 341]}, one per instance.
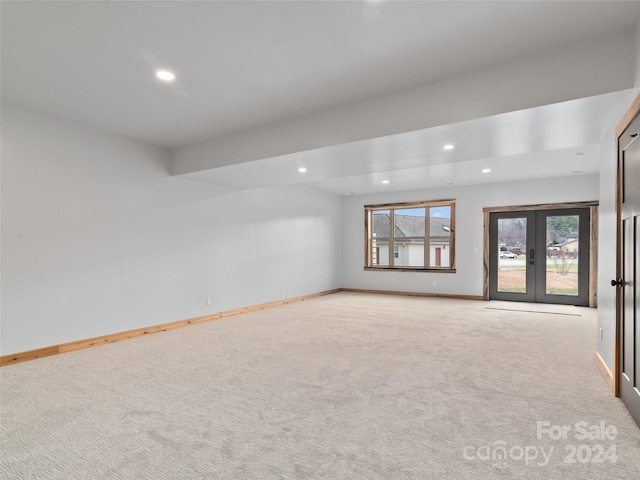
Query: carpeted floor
{"type": "Point", "coordinates": [347, 386]}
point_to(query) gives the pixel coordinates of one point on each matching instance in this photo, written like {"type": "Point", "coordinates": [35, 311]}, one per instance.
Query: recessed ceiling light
{"type": "Point", "coordinates": [448, 146]}
{"type": "Point", "coordinates": [486, 170]}
{"type": "Point", "coordinates": [577, 171]}
{"type": "Point", "coordinates": [578, 154]}
{"type": "Point", "coordinates": [450, 183]}
{"type": "Point", "coordinates": [302, 169]}
{"type": "Point", "coordinates": [166, 75]}
{"type": "Point", "coordinates": [385, 181]}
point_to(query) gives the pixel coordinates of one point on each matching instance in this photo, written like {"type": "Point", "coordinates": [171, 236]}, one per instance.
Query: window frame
{"type": "Point", "coordinates": [368, 222]}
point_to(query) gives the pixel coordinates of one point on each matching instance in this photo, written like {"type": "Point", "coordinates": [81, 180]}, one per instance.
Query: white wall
{"type": "Point", "coordinates": [98, 238]}
{"type": "Point", "coordinates": [607, 250]}
{"type": "Point", "coordinates": [470, 201]}
{"type": "Point", "coordinates": [607, 238]}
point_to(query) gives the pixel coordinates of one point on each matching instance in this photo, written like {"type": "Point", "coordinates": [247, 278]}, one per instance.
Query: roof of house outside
{"type": "Point", "coordinates": [565, 241]}
{"type": "Point", "coordinates": [409, 226]}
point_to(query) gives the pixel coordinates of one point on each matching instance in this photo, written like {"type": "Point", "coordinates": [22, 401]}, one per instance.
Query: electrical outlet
{"type": "Point", "coordinates": [601, 334]}
{"type": "Point", "coordinates": [435, 283]}
{"type": "Point", "coordinates": [208, 300]}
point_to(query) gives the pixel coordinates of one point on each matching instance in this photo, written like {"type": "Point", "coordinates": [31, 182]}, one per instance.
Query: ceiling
{"type": "Point", "coordinates": [552, 140]}
{"type": "Point", "coordinates": [241, 65]}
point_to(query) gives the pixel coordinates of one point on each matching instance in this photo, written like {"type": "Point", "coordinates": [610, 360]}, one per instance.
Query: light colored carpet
{"type": "Point", "coordinates": [536, 308]}
{"type": "Point", "coordinates": [348, 386]}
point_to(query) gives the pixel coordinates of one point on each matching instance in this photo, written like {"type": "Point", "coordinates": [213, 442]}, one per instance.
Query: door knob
{"type": "Point", "coordinates": [617, 283]}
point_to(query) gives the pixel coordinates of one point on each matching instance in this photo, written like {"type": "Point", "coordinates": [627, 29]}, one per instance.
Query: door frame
{"type": "Point", "coordinates": [627, 119]}
{"type": "Point", "coordinates": [593, 237]}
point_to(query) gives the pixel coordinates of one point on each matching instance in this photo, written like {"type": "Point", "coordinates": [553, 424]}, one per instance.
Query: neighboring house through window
{"type": "Point", "coordinates": [421, 236]}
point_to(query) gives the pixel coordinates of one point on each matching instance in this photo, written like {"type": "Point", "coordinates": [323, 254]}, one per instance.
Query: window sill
{"type": "Point", "coordinates": [410, 269]}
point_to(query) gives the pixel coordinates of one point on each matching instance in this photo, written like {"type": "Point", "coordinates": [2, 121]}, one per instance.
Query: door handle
{"type": "Point", "coordinates": [532, 257]}
{"type": "Point", "coordinates": [617, 283]}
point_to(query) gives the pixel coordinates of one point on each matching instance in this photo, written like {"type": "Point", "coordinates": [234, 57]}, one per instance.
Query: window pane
{"type": "Point", "coordinates": [562, 254]}
{"type": "Point", "coordinates": [439, 250]}
{"type": "Point", "coordinates": [440, 220]}
{"type": "Point", "coordinates": [440, 236]}
{"type": "Point", "coordinates": [380, 237]}
{"type": "Point", "coordinates": [408, 236]}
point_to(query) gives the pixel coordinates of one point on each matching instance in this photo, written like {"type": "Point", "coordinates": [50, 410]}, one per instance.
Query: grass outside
{"type": "Point", "coordinates": [570, 268]}
{"type": "Point", "coordinates": [514, 280]}
{"type": "Point", "coordinates": [552, 266]}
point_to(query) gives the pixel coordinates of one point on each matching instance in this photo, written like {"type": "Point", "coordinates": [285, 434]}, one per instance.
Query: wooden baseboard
{"type": "Point", "coordinates": [606, 373]}
{"type": "Point", "coordinates": [414, 294]}
{"type": "Point", "coordinates": [164, 327]}
{"type": "Point", "coordinates": [117, 337]}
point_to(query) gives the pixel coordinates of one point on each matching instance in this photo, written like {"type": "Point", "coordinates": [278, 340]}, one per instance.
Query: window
{"type": "Point", "coordinates": [411, 236]}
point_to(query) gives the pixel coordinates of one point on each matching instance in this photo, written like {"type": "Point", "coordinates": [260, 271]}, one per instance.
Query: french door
{"type": "Point", "coordinates": [540, 256]}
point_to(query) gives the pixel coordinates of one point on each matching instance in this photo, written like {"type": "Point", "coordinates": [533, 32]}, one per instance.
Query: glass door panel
{"type": "Point", "coordinates": [512, 265]}
{"type": "Point", "coordinates": [562, 267]}
{"type": "Point", "coordinates": [510, 277]}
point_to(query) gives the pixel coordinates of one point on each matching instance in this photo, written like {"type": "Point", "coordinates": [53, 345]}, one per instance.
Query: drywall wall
{"type": "Point", "coordinates": [470, 200]}
{"type": "Point", "coordinates": [607, 250]}
{"type": "Point", "coordinates": [607, 238]}
{"type": "Point", "coordinates": [98, 238]}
